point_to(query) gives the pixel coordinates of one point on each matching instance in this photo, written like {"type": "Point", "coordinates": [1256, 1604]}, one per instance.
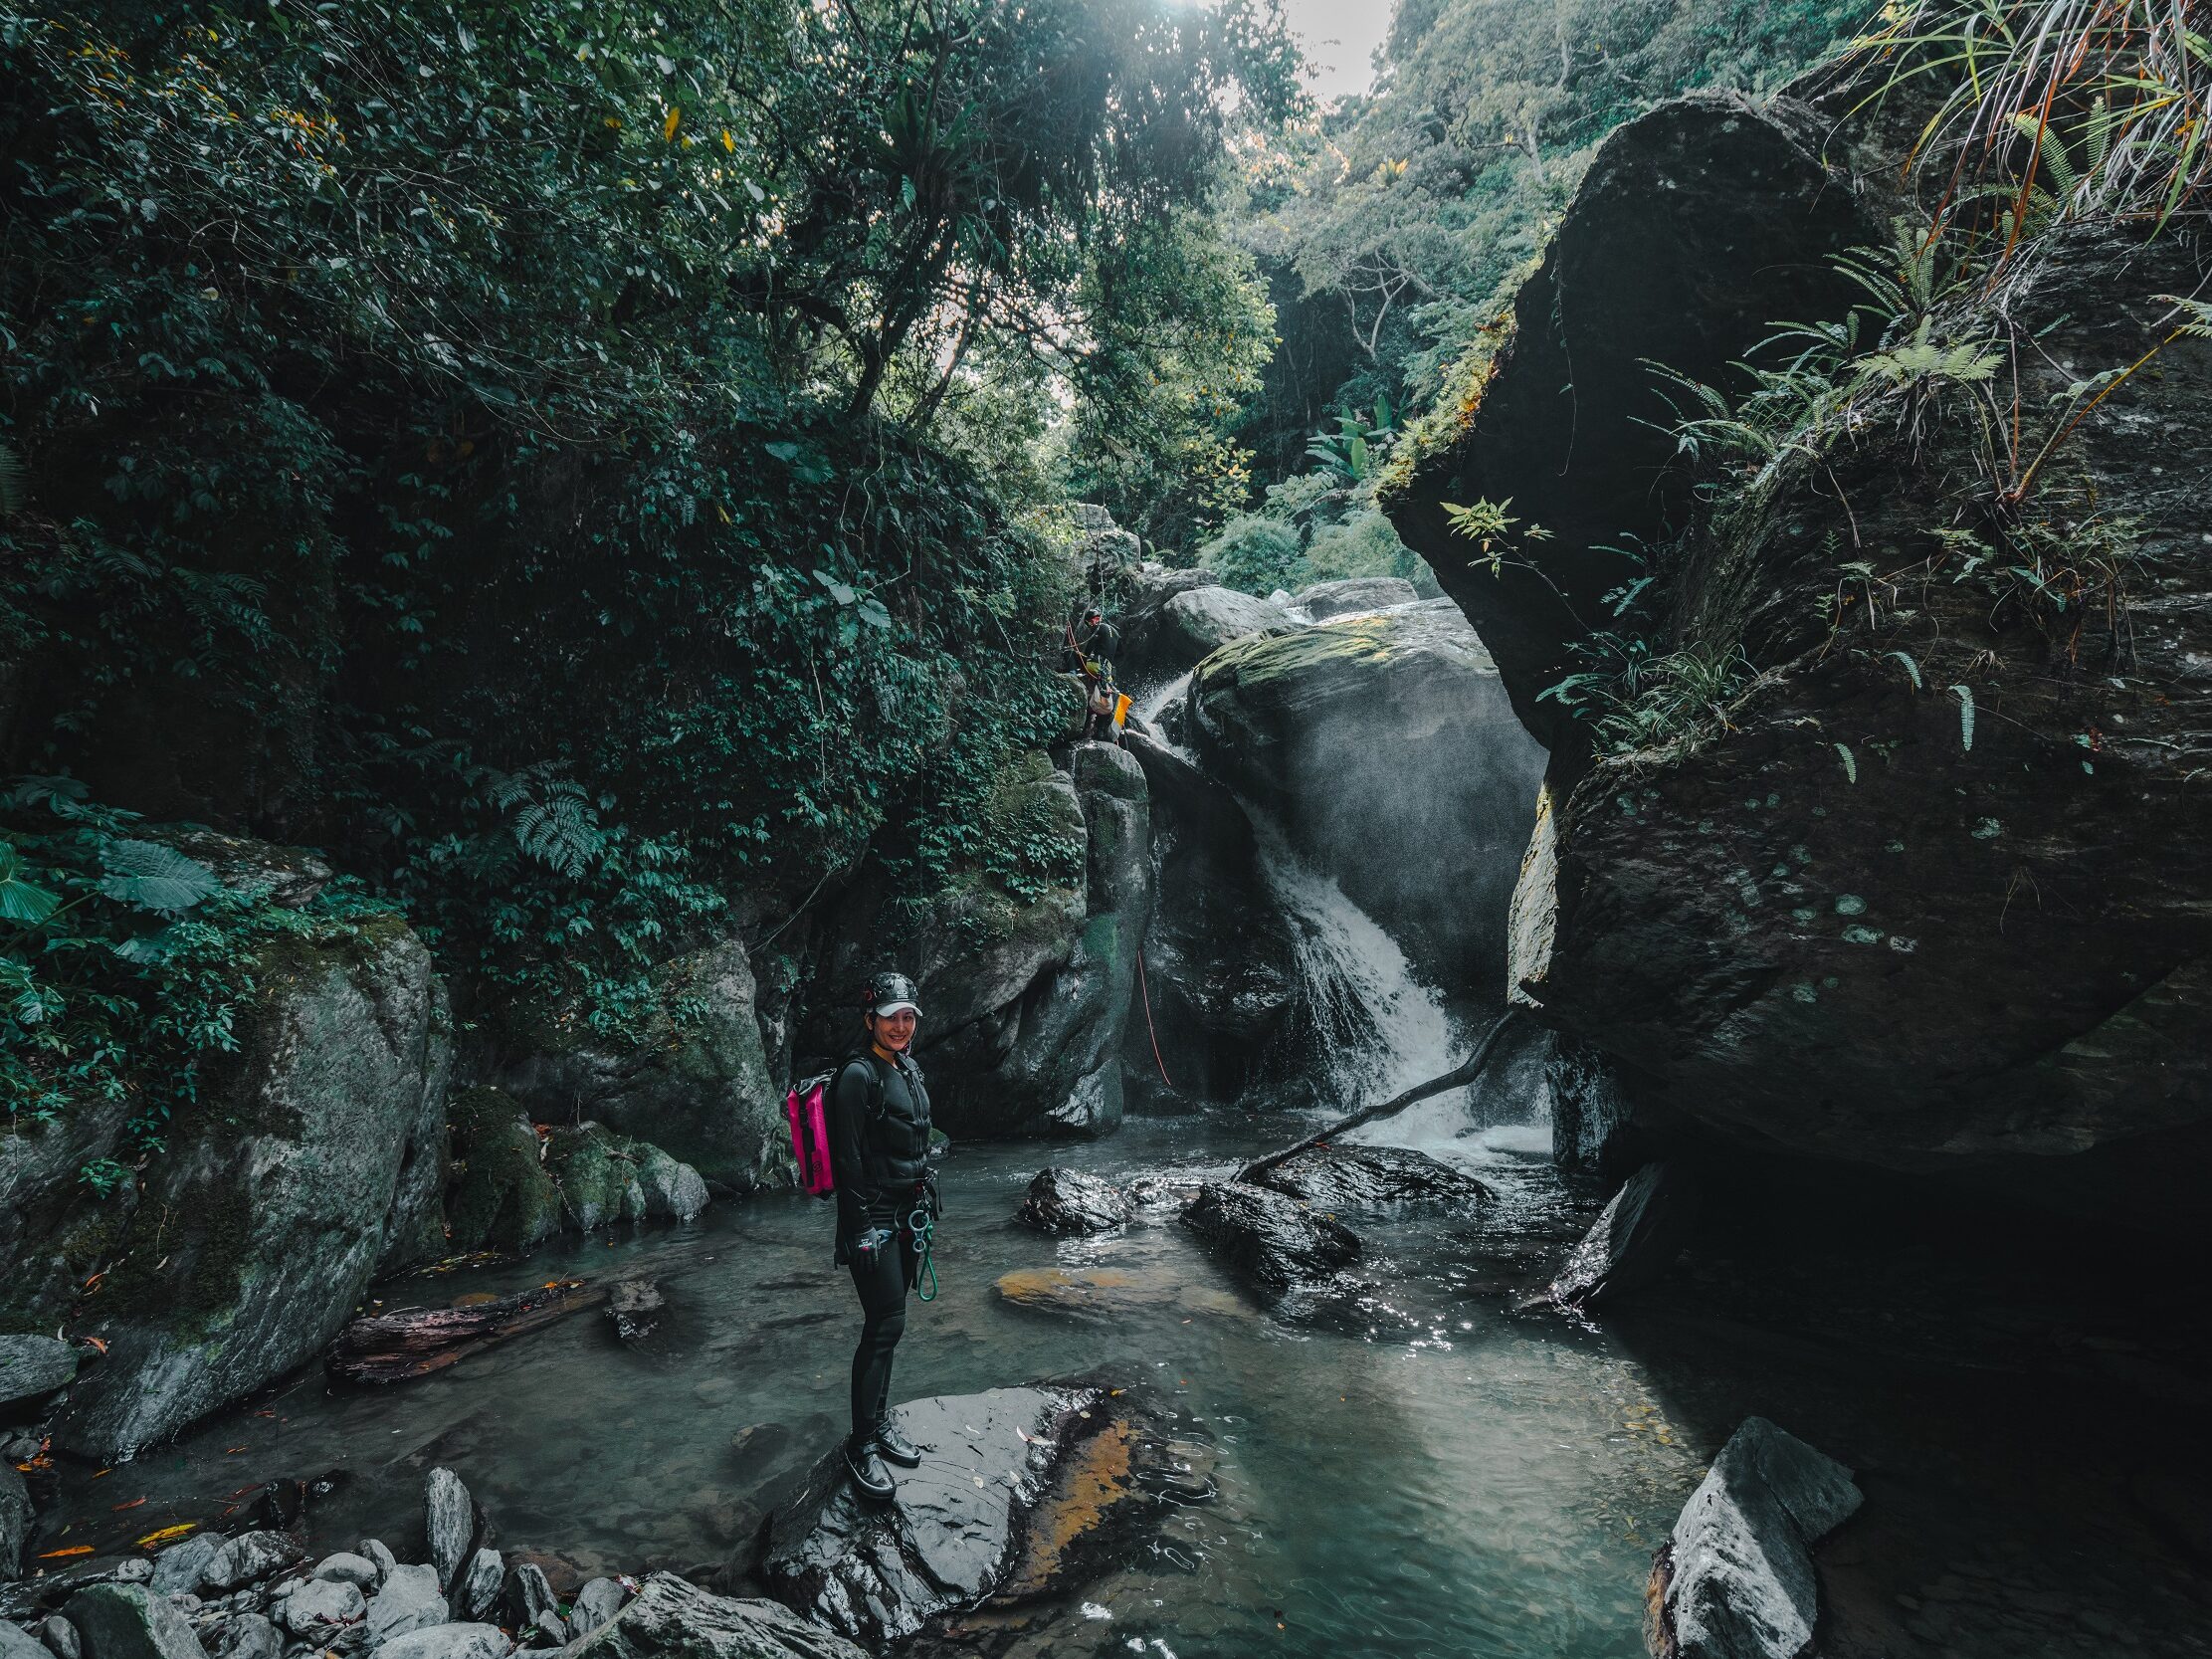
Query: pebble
{"type": "Point", "coordinates": [346, 1568]}
{"type": "Point", "coordinates": [136, 1570]}
{"type": "Point", "coordinates": [60, 1637]}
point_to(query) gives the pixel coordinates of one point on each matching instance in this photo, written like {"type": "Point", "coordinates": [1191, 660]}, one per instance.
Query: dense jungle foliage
{"type": "Point", "coordinates": [2040, 127]}
{"type": "Point", "coordinates": [1393, 229]}
{"type": "Point", "coordinates": [568, 462]}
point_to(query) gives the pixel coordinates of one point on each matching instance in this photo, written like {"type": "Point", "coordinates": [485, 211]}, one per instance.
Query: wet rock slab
{"type": "Point", "coordinates": [1736, 1580]}
{"type": "Point", "coordinates": [1370, 1177]}
{"type": "Point", "coordinates": [1275, 1240]}
{"type": "Point", "coordinates": [1634, 1241]}
{"type": "Point", "coordinates": [951, 1534]}
{"type": "Point", "coordinates": [1069, 1201]}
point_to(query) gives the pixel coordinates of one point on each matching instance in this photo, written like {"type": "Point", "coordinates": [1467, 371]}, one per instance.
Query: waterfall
{"type": "Point", "coordinates": [1371, 1029]}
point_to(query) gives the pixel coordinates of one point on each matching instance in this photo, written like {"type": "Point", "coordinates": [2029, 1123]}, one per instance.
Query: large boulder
{"type": "Point", "coordinates": [1344, 1175]}
{"type": "Point", "coordinates": [1277, 1241]}
{"type": "Point", "coordinates": [305, 1166]}
{"type": "Point", "coordinates": [1736, 1580]}
{"type": "Point", "coordinates": [695, 1084]}
{"type": "Point", "coordinates": [1387, 748]}
{"type": "Point", "coordinates": [952, 1534]}
{"type": "Point", "coordinates": [672, 1618]}
{"type": "Point", "coordinates": [1965, 816]}
{"type": "Point", "coordinates": [1352, 595]}
{"type": "Point", "coordinates": [1190, 625]}
{"type": "Point", "coordinates": [1220, 962]}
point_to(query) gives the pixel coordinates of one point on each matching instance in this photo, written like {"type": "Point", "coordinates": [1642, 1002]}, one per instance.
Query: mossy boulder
{"type": "Point", "coordinates": [603, 1178]}
{"type": "Point", "coordinates": [310, 1160]}
{"type": "Point", "coordinates": [696, 1083]}
{"type": "Point", "coordinates": [499, 1193]}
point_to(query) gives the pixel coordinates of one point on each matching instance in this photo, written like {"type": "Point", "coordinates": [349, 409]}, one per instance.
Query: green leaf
{"type": "Point", "coordinates": [1965, 716]}
{"type": "Point", "coordinates": [153, 877]}
{"type": "Point", "coordinates": [1850, 765]}
{"type": "Point", "coordinates": [22, 901]}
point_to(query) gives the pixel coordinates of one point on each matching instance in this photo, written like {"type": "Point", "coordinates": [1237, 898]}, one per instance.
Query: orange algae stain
{"type": "Point", "coordinates": [1092, 1483]}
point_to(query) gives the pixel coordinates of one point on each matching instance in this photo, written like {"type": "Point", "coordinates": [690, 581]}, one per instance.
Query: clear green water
{"type": "Point", "coordinates": [1408, 1468]}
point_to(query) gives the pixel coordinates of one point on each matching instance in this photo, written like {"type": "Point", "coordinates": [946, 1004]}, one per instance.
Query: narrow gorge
{"type": "Point", "coordinates": [1534, 735]}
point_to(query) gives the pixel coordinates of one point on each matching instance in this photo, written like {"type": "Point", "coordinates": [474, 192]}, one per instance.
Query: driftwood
{"type": "Point", "coordinates": [413, 1342]}
{"type": "Point", "coordinates": [1458, 1077]}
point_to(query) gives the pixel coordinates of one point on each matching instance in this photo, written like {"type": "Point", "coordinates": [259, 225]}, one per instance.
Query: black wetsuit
{"type": "Point", "coordinates": [880, 1153]}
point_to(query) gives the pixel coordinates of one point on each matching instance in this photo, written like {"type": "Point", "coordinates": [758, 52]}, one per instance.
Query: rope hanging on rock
{"type": "Point", "coordinates": [1145, 992]}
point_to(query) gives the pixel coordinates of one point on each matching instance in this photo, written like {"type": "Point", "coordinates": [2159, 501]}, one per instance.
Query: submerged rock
{"type": "Point", "coordinates": [1736, 1580]}
{"type": "Point", "coordinates": [950, 1535]}
{"type": "Point", "coordinates": [1388, 750]}
{"type": "Point", "coordinates": [1069, 1201]}
{"type": "Point", "coordinates": [635, 1305]}
{"type": "Point", "coordinates": [1270, 1236]}
{"type": "Point", "coordinates": [1353, 595]}
{"type": "Point", "coordinates": [672, 1618]}
{"type": "Point", "coordinates": [1635, 1239]}
{"type": "Point", "coordinates": [315, 1157]}
{"type": "Point", "coordinates": [1348, 1177]}
{"type": "Point", "coordinates": [1113, 1293]}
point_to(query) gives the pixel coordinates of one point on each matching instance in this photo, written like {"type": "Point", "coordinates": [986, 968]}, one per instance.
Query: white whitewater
{"type": "Point", "coordinates": [1375, 1030]}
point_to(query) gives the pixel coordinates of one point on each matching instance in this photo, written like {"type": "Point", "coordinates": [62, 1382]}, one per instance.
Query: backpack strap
{"type": "Point", "coordinates": [875, 1081]}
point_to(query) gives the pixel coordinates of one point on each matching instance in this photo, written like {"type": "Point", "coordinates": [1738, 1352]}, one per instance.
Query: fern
{"type": "Point", "coordinates": [1965, 716]}
{"type": "Point", "coordinates": [1850, 765]}
{"type": "Point", "coordinates": [1910, 667]}
{"type": "Point", "coordinates": [553, 819]}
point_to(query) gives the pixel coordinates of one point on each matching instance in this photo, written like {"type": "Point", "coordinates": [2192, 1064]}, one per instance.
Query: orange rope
{"type": "Point", "coordinates": [1148, 1030]}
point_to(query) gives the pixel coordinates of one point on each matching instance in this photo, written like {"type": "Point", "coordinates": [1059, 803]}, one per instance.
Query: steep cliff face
{"type": "Point", "coordinates": [1929, 884]}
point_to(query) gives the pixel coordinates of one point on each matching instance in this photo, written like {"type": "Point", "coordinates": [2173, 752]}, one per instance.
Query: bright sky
{"type": "Point", "coordinates": [1340, 36]}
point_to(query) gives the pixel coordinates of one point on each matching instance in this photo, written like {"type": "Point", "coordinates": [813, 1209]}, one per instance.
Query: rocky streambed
{"type": "Point", "coordinates": [1387, 1454]}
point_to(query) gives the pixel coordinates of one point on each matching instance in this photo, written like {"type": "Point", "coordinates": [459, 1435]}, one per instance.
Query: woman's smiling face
{"type": "Point", "coordinates": [894, 1031]}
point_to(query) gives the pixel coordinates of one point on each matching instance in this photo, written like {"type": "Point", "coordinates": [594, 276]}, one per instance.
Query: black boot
{"type": "Point", "coordinates": [897, 1446]}
{"type": "Point", "coordinates": [869, 1478]}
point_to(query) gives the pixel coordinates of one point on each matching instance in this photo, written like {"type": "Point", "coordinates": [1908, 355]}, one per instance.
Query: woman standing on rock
{"type": "Point", "coordinates": [879, 1123]}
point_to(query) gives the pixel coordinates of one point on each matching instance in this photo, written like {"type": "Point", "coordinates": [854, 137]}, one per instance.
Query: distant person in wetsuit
{"type": "Point", "coordinates": [879, 1123]}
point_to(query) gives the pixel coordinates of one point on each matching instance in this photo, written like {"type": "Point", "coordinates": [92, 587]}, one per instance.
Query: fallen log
{"type": "Point", "coordinates": [1458, 1077]}
{"type": "Point", "coordinates": [408, 1343]}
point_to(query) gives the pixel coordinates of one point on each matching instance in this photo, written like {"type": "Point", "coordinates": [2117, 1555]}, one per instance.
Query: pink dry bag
{"type": "Point", "coordinates": [805, 1109]}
